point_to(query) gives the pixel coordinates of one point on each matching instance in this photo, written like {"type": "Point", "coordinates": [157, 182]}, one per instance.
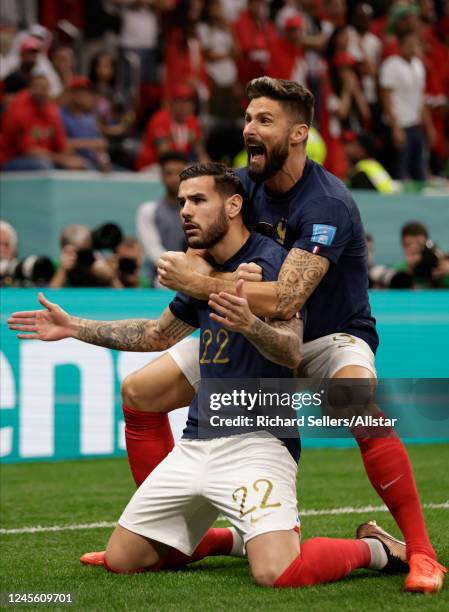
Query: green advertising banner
{"type": "Point", "coordinates": [61, 400]}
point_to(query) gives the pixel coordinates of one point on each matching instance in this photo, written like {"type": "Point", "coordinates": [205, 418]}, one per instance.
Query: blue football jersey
{"type": "Point", "coordinates": [227, 354]}
{"type": "Point", "coordinates": [319, 215]}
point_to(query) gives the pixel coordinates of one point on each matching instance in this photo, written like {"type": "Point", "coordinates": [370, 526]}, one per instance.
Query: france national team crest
{"type": "Point", "coordinates": [323, 234]}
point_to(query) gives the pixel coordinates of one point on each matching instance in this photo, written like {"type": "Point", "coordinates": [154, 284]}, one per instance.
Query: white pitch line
{"type": "Point", "coordinates": [40, 529]}
{"type": "Point", "coordinates": [108, 524]}
{"type": "Point", "coordinates": [364, 509]}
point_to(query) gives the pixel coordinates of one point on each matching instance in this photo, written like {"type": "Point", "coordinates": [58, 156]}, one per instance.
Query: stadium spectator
{"type": "Point", "coordinates": [255, 36]}
{"type": "Point", "coordinates": [44, 64]}
{"type": "Point", "coordinates": [139, 39]}
{"type": "Point", "coordinates": [80, 125]}
{"type": "Point", "coordinates": [343, 104]}
{"type": "Point", "coordinates": [402, 19]}
{"type": "Point", "coordinates": [101, 27]}
{"type": "Point", "coordinates": [103, 76]}
{"type": "Point", "coordinates": [287, 56]}
{"type": "Point", "coordinates": [365, 171]}
{"type": "Point", "coordinates": [216, 38]}
{"type": "Point", "coordinates": [402, 82]}
{"type": "Point", "coordinates": [184, 59]}
{"type": "Point", "coordinates": [335, 15]}
{"type": "Point", "coordinates": [174, 128]}
{"type": "Point", "coordinates": [8, 252]}
{"type": "Point", "coordinates": [127, 261]}
{"type": "Point", "coordinates": [158, 222]}
{"type": "Point", "coordinates": [436, 61]}
{"type": "Point", "coordinates": [79, 264]}
{"type": "Point", "coordinates": [20, 79]}
{"type": "Point", "coordinates": [366, 49]}
{"type": "Point", "coordinates": [63, 60]}
{"type": "Point", "coordinates": [115, 118]}
{"type": "Point", "coordinates": [425, 263]}
{"type": "Point", "coordinates": [33, 134]}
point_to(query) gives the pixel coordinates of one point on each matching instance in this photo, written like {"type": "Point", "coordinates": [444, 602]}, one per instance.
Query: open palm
{"type": "Point", "coordinates": [50, 324]}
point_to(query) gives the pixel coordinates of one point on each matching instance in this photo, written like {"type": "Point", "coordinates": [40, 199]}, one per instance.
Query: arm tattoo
{"type": "Point", "coordinates": [278, 341]}
{"type": "Point", "coordinates": [298, 278]}
{"type": "Point", "coordinates": [132, 334]}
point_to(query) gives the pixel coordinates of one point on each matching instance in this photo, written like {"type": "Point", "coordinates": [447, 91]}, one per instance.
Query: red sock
{"type": "Point", "coordinates": [149, 439]}
{"type": "Point", "coordinates": [215, 542]}
{"type": "Point", "coordinates": [324, 560]}
{"type": "Point", "coordinates": [389, 470]}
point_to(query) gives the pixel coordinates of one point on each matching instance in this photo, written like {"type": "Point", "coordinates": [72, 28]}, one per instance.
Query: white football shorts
{"type": "Point", "coordinates": [325, 356]}
{"type": "Point", "coordinates": [249, 479]}
{"type": "Point", "coordinates": [322, 358]}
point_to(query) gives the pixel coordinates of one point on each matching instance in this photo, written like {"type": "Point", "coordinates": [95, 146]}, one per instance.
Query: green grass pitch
{"type": "Point", "coordinates": [79, 492]}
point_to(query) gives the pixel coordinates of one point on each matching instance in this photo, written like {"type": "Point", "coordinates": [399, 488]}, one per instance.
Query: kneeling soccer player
{"type": "Point", "coordinates": [249, 478]}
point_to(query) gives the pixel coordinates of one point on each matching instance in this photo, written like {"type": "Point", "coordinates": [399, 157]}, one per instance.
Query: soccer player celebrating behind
{"type": "Point", "coordinates": [249, 478]}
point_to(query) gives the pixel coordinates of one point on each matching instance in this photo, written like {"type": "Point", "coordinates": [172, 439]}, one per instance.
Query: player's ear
{"type": "Point", "coordinates": [299, 133]}
{"type": "Point", "coordinates": [234, 205]}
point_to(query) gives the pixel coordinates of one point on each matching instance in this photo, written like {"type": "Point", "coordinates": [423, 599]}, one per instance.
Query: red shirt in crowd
{"type": "Point", "coordinates": [184, 63]}
{"type": "Point", "coordinates": [27, 125]}
{"type": "Point", "coordinates": [162, 129]}
{"type": "Point", "coordinates": [255, 43]}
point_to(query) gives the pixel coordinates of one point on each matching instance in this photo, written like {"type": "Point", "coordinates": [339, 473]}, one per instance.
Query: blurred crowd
{"type": "Point", "coordinates": [115, 84]}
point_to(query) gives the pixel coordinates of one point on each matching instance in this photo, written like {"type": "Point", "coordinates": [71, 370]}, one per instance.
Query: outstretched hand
{"type": "Point", "coordinates": [50, 324]}
{"type": "Point", "coordinates": [233, 310]}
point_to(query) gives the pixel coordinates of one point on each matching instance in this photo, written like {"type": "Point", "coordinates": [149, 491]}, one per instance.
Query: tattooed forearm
{"type": "Point", "coordinates": [299, 276]}
{"type": "Point", "coordinates": [278, 341]}
{"type": "Point", "coordinates": [133, 334]}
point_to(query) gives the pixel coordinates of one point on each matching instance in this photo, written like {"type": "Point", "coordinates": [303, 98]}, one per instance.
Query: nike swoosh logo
{"type": "Point", "coordinates": [389, 484]}
{"type": "Point", "coordinates": [254, 520]}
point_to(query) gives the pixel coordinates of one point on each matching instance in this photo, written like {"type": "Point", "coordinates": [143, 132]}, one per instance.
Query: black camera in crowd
{"type": "Point", "coordinates": [105, 237]}
{"type": "Point", "coordinates": [382, 276]}
{"type": "Point", "coordinates": [31, 271]}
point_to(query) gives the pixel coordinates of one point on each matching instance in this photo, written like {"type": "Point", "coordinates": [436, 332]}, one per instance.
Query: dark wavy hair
{"type": "Point", "coordinates": [297, 100]}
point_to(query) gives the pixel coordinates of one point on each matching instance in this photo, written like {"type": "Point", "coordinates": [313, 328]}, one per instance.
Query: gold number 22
{"type": "Point", "coordinates": [256, 486]}
{"type": "Point", "coordinates": [222, 339]}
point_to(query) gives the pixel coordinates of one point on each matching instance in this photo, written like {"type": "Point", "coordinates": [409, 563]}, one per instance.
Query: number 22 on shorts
{"type": "Point", "coordinates": [241, 494]}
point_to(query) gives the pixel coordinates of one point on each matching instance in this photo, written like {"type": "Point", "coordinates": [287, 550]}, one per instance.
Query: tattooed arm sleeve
{"type": "Point", "coordinates": [278, 341]}
{"type": "Point", "coordinates": [298, 278]}
{"type": "Point", "coordinates": [133, 334]}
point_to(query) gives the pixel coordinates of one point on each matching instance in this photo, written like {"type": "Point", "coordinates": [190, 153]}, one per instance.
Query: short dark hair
{"type": "Point", "coordinates": [227, 182]}
{"type": "Point", "coordinates": [414, 228]}
{"type": "Point", "coordinates": [294, 97]}
{"type": "Point", "coordinates": [172, 156]}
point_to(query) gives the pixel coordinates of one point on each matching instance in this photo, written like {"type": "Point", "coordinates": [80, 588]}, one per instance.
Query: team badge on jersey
{"type": "Point", "coordinates": [323, 234]}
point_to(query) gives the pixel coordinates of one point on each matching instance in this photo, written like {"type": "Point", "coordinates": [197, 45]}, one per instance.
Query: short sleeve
{"type": "Point", "coordinates": [184, 308]}
{"type": "Point", "coordinates": [388, 76]}
{"type": "Point", "coordinates": [325, 228]}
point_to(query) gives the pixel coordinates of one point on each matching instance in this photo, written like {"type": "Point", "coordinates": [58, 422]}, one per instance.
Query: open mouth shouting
{"type": "Point", "coordinates": [257, 154]}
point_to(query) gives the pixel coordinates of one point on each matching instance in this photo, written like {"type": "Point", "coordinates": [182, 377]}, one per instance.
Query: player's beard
{"type": "Point", "coordinates": [214, 233]}
{"type": "Point", "coordinates": [274, 161]}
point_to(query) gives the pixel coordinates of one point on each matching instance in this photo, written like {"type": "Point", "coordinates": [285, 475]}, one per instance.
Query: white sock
{"type": "Point", "coordinates": [237, 550]}
{"type": "Point", "coordinates": [378, 555]}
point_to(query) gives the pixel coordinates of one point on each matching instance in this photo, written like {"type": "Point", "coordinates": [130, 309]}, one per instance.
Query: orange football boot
{"type": "Point", "coordinates": [93, 558]}
{"type": "Point", "coordinates": [426, 575]}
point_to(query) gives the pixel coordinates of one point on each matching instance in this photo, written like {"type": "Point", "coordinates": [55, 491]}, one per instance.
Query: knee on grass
{"type": "Point", "coordinates": [267, 574]}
